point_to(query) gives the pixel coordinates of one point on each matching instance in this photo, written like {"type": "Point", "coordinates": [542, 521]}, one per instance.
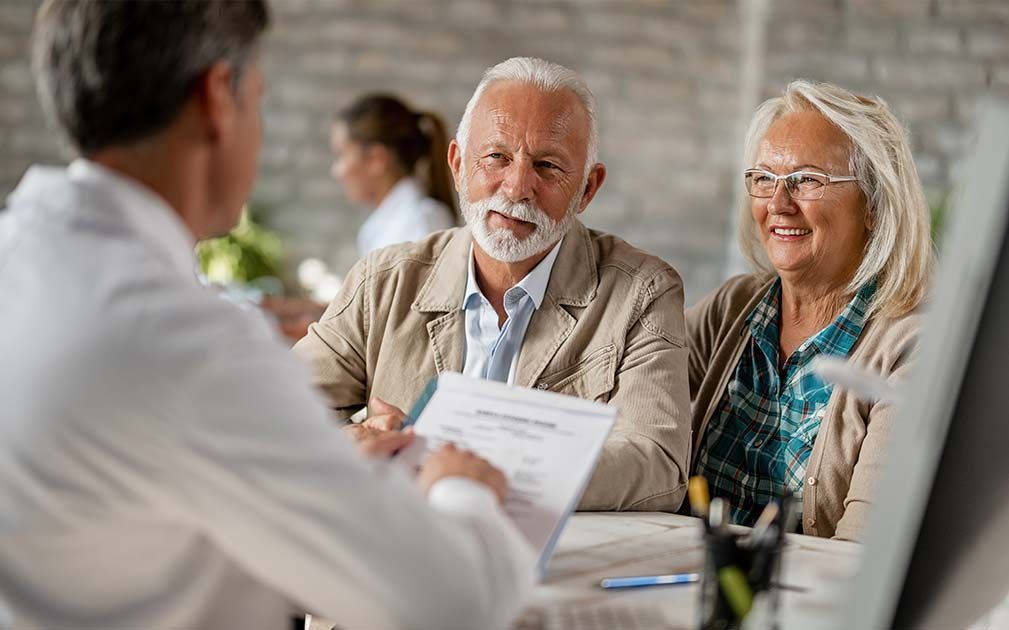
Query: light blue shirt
{"type": "Point", "coordinates": [493, 352]}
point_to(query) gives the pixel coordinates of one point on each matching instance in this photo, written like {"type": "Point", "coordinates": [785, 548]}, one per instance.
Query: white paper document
{"type": "Point", "coordinates": [545, 443]}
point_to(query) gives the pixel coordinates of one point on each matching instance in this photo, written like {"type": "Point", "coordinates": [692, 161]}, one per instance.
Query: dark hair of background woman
{"type": "Point", "coordinates": [417, 139]}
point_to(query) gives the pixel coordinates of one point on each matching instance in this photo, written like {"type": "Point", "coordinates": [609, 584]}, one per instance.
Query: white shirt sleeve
{"type": "Point", "coordinates": [477, 506]}
{"type": "Point", "coordinates": [404, 224]}
{"type": "Point", "coordinates": [264, 471]}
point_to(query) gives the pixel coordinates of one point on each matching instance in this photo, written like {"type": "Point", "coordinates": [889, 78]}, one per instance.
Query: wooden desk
{"type": "Point", "coordinates": [598, 545]}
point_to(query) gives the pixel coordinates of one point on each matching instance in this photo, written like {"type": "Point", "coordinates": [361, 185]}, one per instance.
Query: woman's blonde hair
{"type": "Point", "coordinates": [899, 251]}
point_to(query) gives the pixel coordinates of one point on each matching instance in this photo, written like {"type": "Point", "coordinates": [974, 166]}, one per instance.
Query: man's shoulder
{"type": "Point", "coordinates": [613, 253]}
{"type": "Point", "coordinates": [414, 255]}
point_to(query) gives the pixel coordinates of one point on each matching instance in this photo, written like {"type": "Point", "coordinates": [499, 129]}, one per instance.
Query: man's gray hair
{"type": "Point", "coordinates": [899, 252]}
{"type": "Point", "coordinates": [113, 73]}
{"type": "Point", "coordinates": [547, 76]}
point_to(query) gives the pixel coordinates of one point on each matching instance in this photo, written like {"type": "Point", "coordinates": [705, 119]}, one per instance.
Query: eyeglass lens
{"type": "Point", "coordinates": [800, 185]}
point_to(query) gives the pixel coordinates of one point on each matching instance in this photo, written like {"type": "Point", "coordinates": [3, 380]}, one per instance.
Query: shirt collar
{"type": "Point", "coordinates": [765, 314]}
{"type": "Point", "coordinates": [839, 337]}
{"type": "Point", "coordinates": [150, 216]}
{"type": "Point", "coordinates": [836, 339]}
{"type": "Point", "coordinates": [534, 284]}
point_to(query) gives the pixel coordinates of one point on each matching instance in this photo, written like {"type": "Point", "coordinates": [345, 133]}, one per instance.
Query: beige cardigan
{"type": "Point", "coordinates": [849, 450]}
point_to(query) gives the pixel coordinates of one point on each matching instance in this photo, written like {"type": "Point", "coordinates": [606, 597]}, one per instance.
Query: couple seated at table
{"type": "Point", "coordinates": [528, 295]}
{"type": "Point", "coordinates": [160, 423]}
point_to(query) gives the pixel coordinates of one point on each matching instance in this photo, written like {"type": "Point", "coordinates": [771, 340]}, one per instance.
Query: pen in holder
{"type": "Point", "coordinates": [739, 566]}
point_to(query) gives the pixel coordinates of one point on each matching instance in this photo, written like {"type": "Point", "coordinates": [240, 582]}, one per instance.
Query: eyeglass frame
{"type": "Point", "coordinates": [831, 179]}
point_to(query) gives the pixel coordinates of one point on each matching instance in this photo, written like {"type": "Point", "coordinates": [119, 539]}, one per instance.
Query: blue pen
{"type": "Point", "coordinates": [650, 580]}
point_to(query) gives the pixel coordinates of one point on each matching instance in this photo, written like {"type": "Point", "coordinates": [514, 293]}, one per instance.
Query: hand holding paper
{"type": "Point", "coordinates": [546, 444]}
{"type": "Point", "coordinates": [449, 461]}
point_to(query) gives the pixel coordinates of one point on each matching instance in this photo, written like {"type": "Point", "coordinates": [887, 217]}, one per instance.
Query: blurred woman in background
{"type": "Point", "coordinates": [393, 159]}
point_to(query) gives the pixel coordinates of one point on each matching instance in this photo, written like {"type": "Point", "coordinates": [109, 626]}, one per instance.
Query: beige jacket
{"type": "Point", "coordinates": [610, 329]}
{"type": "Point", "coordinates": [849, 450]}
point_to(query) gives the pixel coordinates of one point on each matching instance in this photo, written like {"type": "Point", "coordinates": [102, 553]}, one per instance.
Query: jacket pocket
{"type": "Point", "coordinates": [591, 378]}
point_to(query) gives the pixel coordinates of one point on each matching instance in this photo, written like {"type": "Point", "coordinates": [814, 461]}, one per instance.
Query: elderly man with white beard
{"type": "Point", "coordinates": [524, 294]}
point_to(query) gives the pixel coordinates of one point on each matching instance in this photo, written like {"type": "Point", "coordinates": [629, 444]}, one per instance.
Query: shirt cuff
{"type": "Point", "coordinates": [463, 496]}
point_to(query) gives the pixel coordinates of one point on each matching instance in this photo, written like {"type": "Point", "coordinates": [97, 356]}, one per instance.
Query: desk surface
{"type": "Point", "coordinates": [598, 545]}
{"type": "Point", "coordinates": [594, 546]}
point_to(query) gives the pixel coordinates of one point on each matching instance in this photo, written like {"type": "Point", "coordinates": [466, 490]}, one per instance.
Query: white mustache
{"type": "Point", "coordinates": [522, 210]}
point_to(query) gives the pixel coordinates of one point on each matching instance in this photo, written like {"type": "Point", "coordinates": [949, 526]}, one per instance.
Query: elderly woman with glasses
{"type": "Point", "coordinates": [837, 229]}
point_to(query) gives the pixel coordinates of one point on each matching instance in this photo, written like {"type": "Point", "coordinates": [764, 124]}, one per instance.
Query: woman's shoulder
{"type": "Point", "coordinates": [432, 214]}
{"type": "Point", "coordinates": [888, 342]}
{"type": "Point", "coordinates": [896, 331]}
{"type": "Point", "coordinates": [734, 295]}
{"type": "Point", "coordinates": [430, 205]}
{"type": "Point", "coordinates": [720, 314]}
{"type": "Point", "coordinates": [746, 285]}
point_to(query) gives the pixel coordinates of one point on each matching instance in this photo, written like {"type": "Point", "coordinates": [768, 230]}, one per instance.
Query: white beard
{"type": "Point", "coordinates": [502, 244]}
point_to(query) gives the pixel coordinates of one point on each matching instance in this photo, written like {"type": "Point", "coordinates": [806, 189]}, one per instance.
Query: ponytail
{"type": "Point", "coordinates": [439, 178]}
{"type": "Point", "coordinates": [417, 140]}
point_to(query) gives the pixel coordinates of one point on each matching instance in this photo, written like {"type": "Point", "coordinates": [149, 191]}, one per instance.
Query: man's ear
{"type": "Point", "coordinates": [217, 99]}
{"type": "Point", "coordinates": [455, 161]}
{"type": "Point", "coordinates": [595, 180]}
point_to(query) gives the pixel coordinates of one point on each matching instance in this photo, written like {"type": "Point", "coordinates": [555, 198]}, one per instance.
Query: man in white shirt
{"type": "Point", "coordinates": [524, 294]}
{"type": "Point", "coordinates": [163, 461]}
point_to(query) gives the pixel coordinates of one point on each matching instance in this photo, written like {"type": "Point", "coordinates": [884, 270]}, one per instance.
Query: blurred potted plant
{"type": "Point", "coordinates": [249, 255]}
{"type": "Point", "coordinates": [939, 211]}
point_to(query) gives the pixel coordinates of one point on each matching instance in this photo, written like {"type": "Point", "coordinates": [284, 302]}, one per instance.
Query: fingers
{"type": "Point", "coordinates": [497, 482]}
{"type": "Point", "coordinates": [450, 461]}
{"type": "Point", "coordinates": [385, 444]}
{"type": "Point", "coordinates": [374, 442]}
{"type": "Point", "coordinates": [384, 422]}
{"type": "Point", "coordinates": [377, 406]}
{"type": "Point", "coordinates": [358, 432]}
{"type": "Point", "coordinates": [492, 477]}
{"type": "Point", "coordinates": [383, 416]}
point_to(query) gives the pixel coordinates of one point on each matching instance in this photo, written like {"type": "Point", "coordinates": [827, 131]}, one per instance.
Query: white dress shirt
{"type": "Point", "coordinates": [164, 462]}
{"type": "Point", "coordinates": [492, 351]}
{"type": "Point", "coordinates": [406, 214]}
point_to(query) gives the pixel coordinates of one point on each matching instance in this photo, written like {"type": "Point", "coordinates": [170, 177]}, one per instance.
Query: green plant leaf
{"type": "Point", "coordinates": [249, 252]}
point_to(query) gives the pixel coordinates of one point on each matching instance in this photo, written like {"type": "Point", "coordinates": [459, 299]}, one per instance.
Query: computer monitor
{"type": "Point", "coordinates": [936, 546]}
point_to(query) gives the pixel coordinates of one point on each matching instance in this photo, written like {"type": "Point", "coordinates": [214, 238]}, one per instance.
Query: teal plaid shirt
{"type": "Point", "coordinates": [761, 435]}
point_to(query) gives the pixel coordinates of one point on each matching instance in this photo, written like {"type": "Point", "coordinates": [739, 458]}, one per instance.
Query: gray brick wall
{"type": "Point", "coordinates": [929, 59]}
{"type": "Point", "coordinates": [667, 74]}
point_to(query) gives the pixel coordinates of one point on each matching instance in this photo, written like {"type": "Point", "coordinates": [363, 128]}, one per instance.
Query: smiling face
{"type": "Point", "coordinates": [819, 241]}
{"type": "Point", "coordinates": [522, 178]}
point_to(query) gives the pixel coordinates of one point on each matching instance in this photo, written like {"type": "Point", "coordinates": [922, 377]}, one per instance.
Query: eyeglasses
{"type": "Point", "coordinates": [801, 185]}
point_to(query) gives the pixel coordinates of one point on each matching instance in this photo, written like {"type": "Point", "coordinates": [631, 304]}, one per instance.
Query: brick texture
{"type": "Point", "coordinates": [667, 74]}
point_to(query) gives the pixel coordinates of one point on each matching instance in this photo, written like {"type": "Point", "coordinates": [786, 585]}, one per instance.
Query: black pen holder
{"type": "Point", "coordinates": [736, 570]}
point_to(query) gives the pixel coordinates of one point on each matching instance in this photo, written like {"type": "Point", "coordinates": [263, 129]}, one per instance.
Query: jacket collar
{"type": "Point", "coordinates": [573, 281]}
{"type": "Point", "coordinates": [445, 287]}
{"type": "Point", "coordinates": [575, 277]}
